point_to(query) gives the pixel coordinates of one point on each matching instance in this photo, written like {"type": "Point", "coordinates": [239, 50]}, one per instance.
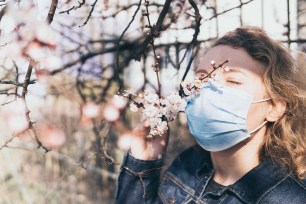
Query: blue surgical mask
{"type": "Point", "coordinates": [217, 117]}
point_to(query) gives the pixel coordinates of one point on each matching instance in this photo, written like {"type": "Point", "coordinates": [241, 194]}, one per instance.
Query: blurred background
{"type": "Point", "coordinates": [63, 133]}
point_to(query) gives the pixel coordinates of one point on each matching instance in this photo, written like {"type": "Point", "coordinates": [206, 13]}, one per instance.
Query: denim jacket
{"type": "Point", "coordinates": [187, 177]}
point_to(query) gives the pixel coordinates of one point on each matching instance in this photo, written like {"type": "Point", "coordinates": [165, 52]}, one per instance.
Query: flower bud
{"type": "Point", "coordinates": [226, 69]}
{"type": "Point", "coordinates": [197, 83]}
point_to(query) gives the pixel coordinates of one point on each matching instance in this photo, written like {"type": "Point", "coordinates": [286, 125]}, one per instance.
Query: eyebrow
{"type": "Point", "coordinates": [232, 70]}
{"type": "Point", "coordinates": [202, 71]}
{"type": "Point", "coordinates": [236, 70]}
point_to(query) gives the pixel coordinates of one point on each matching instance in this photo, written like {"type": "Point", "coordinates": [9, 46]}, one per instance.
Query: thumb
{"type": "Point", "coordinates": [141, 130]}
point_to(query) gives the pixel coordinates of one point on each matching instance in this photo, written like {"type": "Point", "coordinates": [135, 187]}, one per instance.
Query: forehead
{"type": "Point", "coordinates": [239, 59]}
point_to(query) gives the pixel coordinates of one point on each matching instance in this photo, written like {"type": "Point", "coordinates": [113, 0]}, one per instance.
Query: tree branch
{"type": "Point", "coordinates": [2, 12]}
{"type": "Point", "coordinates": [126, 46]}
{"type": "Point", "coordinates": [90, 13]}
{"type": "Point", "coordinates": [157, 28]}
{"type": "Point", "coordinates": [198, 18]}
{"type": "Point", "coordinates": [117, 72]}
{"type": "Point", "coordinates": [52, 10]}
{"type": "Point", "coordinates": [16, 83]}
{"type": "Point", "coordinates": [74, 7]}
{"type": "Point", "coordinates": [228, 10]}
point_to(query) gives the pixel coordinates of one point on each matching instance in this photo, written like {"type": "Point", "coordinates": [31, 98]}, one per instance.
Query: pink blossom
{"type": "Point", "coordinates": [12, 50]}
{"type": "Point", "coordinates": [52, 137]}
{"type": "Point", "coordinates": [133, 107]}
{"type": "Point", "coordinates": [44, 33]}
{"type": "Point", "coordinates": [119, 102]}
{"type": "Point", "coordinates": [7, 24]}
{"type": "Point", "coordinates": [124, 141]}
{"type": "Point", "coordinates": [50, 62]}
{"type": "Point", "coordinates": [197, 83]}
{"type": "Point", "coordinates": [226, 69]}
{"type": "Point", "coordinates": [35, 50]}
{"type": "Point", "coordinates": [91, 110]}
{"type": "Point", "coordinates": [18, 123]}
{"type": "Point", "coordinates": [111, 113]}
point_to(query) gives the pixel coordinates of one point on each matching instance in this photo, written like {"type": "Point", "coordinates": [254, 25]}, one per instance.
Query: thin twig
{"type": "Point", "coordinates": [157, 28]}
{"type": "Point", "coordinates": [198, 18]}
{"type": "Point", "coordinates": [153, 33]}
{"type": "Point", "coordinates": [16, 83]}
{"type": "Point", "coordinates": [27, 111]}
{"type": "Point", "coordinates": [17, 78]}
{"type": "Point", "coordinates": [118, 45]}
{"type": "Point", "coordinates": [90, 13]}
{"type": "Point", "coordinates": [228, 10]}
{"type": "Point", "coordinates": [9, 140]}
{"type": "Point", "coordinates": [81, 163]}
{"type": "Point", "coordinates": [83, 58]}
{"type": "Point", "coordinates": [74, 7]}
{"type": "Point", "coordinates": [25, 85]}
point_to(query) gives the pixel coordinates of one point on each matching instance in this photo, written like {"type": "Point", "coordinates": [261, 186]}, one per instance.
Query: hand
{"type": "Point", "coordinates": [145, 147]}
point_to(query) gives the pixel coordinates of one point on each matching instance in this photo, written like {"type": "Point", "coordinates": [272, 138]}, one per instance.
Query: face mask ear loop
{"type": "Point", "coordinates": [256, 129]}
{"type": "Point", "coordinates": [267, 99]}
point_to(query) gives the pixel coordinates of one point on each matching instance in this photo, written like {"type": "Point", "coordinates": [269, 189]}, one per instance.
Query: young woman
{"type": "Point", "coordinates": [250, 129]}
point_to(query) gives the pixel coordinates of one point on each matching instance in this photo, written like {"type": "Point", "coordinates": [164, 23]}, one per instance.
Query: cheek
{"type": "Point", "coordinates": [256, 89]}
{"type": "Point", "coordinates": [258, 111]}
{"type": "Point", "coordinates": [256, 115]}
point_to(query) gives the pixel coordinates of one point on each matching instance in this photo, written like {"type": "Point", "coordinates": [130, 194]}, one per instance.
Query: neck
{"type": "Point", "coordinates": [231, 164]}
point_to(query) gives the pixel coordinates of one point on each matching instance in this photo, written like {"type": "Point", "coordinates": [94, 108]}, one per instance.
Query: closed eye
{"type": "Point", "coordinates": [234, 82]}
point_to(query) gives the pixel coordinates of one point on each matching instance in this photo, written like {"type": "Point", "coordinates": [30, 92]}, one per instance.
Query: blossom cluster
{"type": "Point", "coordinates": [156, 111]}
{"type": "Point", "coordinates": [24, 35]}
{"type": "Point", "coordinates": [190, 89]}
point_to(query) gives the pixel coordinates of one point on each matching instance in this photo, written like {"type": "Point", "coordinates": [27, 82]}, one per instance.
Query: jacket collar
{"type": "Point", "coordinates": [253, 184]}
{"type": "Point", "coordinates": [257, 182]}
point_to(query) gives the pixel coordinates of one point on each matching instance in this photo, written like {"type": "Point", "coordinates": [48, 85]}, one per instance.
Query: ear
{"type": "Point", "coordinates": [278, 108]}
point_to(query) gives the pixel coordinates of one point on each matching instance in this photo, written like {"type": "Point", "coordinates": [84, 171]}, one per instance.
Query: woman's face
{"type": "Point", "coordinates": [245, 74]}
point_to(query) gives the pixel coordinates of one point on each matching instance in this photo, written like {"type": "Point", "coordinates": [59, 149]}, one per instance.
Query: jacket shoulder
{"type": "Point", "coordinates": [302, 182]}
{"type": "Point", "coordinates": [289, 190]}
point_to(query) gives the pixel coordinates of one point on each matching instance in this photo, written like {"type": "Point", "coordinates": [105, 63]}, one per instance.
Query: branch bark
{"type": "Point", "coordinates": [198, 19]}
{"type": "Point", "coordinates": [157, 28]}
{"type": "Point", "coordinates": [52, 10]}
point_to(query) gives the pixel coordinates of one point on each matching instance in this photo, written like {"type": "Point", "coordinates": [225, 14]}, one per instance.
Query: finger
{"type": "Point", "coordinates": [140, 131]}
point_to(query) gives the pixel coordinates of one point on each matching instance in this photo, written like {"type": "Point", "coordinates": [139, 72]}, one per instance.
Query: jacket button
{"type": "Point", "coordinates": [171, 200]}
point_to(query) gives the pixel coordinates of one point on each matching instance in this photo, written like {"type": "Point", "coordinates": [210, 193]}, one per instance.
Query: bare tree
{"type": "Point", "coordinates": [82, 55]}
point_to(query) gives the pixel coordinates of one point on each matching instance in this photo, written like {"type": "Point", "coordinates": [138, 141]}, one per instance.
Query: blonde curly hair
{"type": "Point", "coordinates": [285, 140]}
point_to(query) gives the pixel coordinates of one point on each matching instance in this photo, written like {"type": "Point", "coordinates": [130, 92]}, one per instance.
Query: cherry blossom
{"type": "Point", "coordinates": [226, 69]}
{"type": "Point", "coordinates": [111, 113]}
{"type": "Point", "coordinates": [190, 89]}
{"type": "Point", "coordinates": [119, 102]}
{"type": "Point", "coordinates": [156, 111]}
{"type": "Point", "coordinates": [53, 137]}
{"type": "Point", "coordinates": [133, 107]}
{"type": "Point", "coordinates": [18, 123]}
{"type": "Point", "coordinates": [7, 24]}
{"type": "Point", "coordinates": [22, 37]}
{"type": "Point", "coordinates": [124, 141]}
{"type": "Point", "coordinates": [91, 110]}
